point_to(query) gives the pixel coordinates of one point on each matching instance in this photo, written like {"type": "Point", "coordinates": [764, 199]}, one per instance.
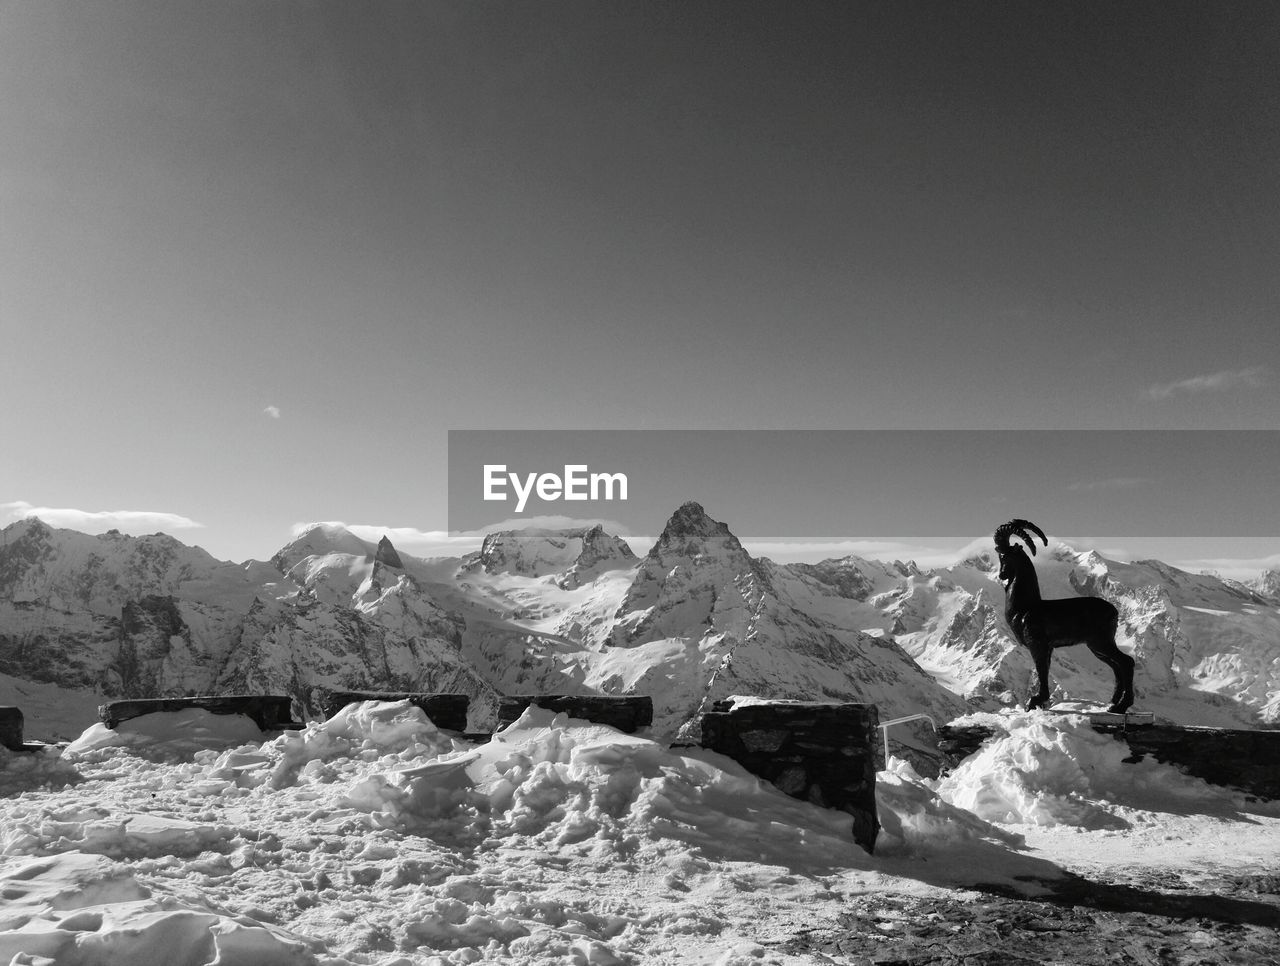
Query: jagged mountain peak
{"type": "Point", "coordinates": [386, 553]}
{"type": "Point", "coordinates": [572, 555]}
{"type": "Point", "coordinates": [690, 532]}
{"type": "Point", "coordinates": [696, 576]}
{"type": "Point", "coordinates": [691, 521]}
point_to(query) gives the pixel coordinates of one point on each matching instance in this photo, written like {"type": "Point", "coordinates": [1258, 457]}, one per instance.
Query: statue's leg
{"type": "Point", "coordinates": [1121, 665]}
{"type": "Point", "coordinates": [1108, 655]}
{"type": "Point", "coordinates": [1125, 701]}
{"type": "Point", "coordinates": [1040, 654]}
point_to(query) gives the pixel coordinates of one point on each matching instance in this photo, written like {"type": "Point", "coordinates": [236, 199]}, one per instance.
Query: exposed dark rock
{"type": "Point", "coordinates": [386, 554]}
{"type": "Point", "coordinates": [958, 743]}
{"type": "Point", "coordinates": [147, 630]}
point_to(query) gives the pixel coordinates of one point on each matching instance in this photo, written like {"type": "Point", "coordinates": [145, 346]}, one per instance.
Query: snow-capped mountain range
{"type": "Point", "coordinates": [84, 619]}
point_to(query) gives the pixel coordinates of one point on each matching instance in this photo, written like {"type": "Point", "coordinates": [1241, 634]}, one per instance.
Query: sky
{"type": "Point", "coordinates": [257, 260]}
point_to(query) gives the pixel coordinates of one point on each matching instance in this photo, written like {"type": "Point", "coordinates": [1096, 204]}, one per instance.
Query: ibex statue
{"type": "Point", "coordinates": [1041, 625]}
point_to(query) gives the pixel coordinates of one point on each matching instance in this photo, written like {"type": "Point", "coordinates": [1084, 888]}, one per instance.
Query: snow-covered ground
{"type": "Point", "coordinates": [374, 838]}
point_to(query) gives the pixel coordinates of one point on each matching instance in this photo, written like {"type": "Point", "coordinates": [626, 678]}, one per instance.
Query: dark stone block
{"type": "Point", "coordinates": [823, 754]}
{"type": "Point", "coordinates": [270, 712]}
{"type": "Point", "coordinates": [627, 713]}
{"type": "Point", "coordinates": [11, 727]}
{"type": "Point", "coordinates": [447, 711]}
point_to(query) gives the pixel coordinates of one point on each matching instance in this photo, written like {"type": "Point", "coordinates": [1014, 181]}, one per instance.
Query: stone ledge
{"type": "Point", "coordinates": [448, 711]}
{"type": "Point", "coordinates": [1246, 759]}
{"type": "Point", "coordinates": [270, 712]}
{"type": "Point", "coordinates": [1243, 758]}
{"type": "Point", "coordinates": [627, 713]}
{"type": "Point", "coordinates": [11, 727]}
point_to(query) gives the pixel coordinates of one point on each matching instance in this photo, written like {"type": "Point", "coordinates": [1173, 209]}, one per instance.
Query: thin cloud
{"type": "Point", "coordinates": [1251, 378]}
{"type": "Point", "coordinates": [1236, 568]}
{"type": "Point", "coordinates": [1114, 483]}
{"type": "Point", "coordinates": [100, 521]}
{"type": "Point", "coordinates": [784, 550]}
{"type": "Point", "coordinates": [272, 411]}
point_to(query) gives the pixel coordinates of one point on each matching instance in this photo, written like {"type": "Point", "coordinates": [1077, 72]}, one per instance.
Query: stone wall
{"type": "Point", "coordinates": [627, 713]}
{"type": "Point", "coordinates": [270, 712]}
{"type": "Point", "coordinates": [11, 728]}
{"type": "Point", "coordinates": [820, 753]}
{"type": "Point", "coordinates": [1244, 759]}
{"type": "Point", "coordinates": [447, 711]}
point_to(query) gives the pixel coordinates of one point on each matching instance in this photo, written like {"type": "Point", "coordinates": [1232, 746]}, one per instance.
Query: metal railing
{"type": "Point", "coordinates": [886, 725]}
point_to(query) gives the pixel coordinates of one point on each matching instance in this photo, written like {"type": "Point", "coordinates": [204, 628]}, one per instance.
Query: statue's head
{"type": "Point", "coordinates": [1012, 556]}
{"type": "Point", "coordinates": [1011, 560]}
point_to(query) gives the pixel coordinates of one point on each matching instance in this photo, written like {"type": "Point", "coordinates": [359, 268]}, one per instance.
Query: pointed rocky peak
{"type": "Point", "coordinates": [696, 574]}
{"type": "Point", "coordinates": [690, 532]}
{"type": "Point", "coordinates": [600, 552]}
{"type": "Point", "coordinates": [597, 546]}
{"type": "Point", "coordinates": [386, 554]}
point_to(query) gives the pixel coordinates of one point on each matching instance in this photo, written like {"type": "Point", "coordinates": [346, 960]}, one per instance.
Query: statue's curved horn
{"type": "Point", "coordinates": [1019, 529]}
{"type": "Point", "coordinates": [1002, 535]}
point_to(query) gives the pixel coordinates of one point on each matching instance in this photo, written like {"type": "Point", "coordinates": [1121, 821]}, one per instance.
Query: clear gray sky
{"type": "Point", "coordinates": [256, 259]}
